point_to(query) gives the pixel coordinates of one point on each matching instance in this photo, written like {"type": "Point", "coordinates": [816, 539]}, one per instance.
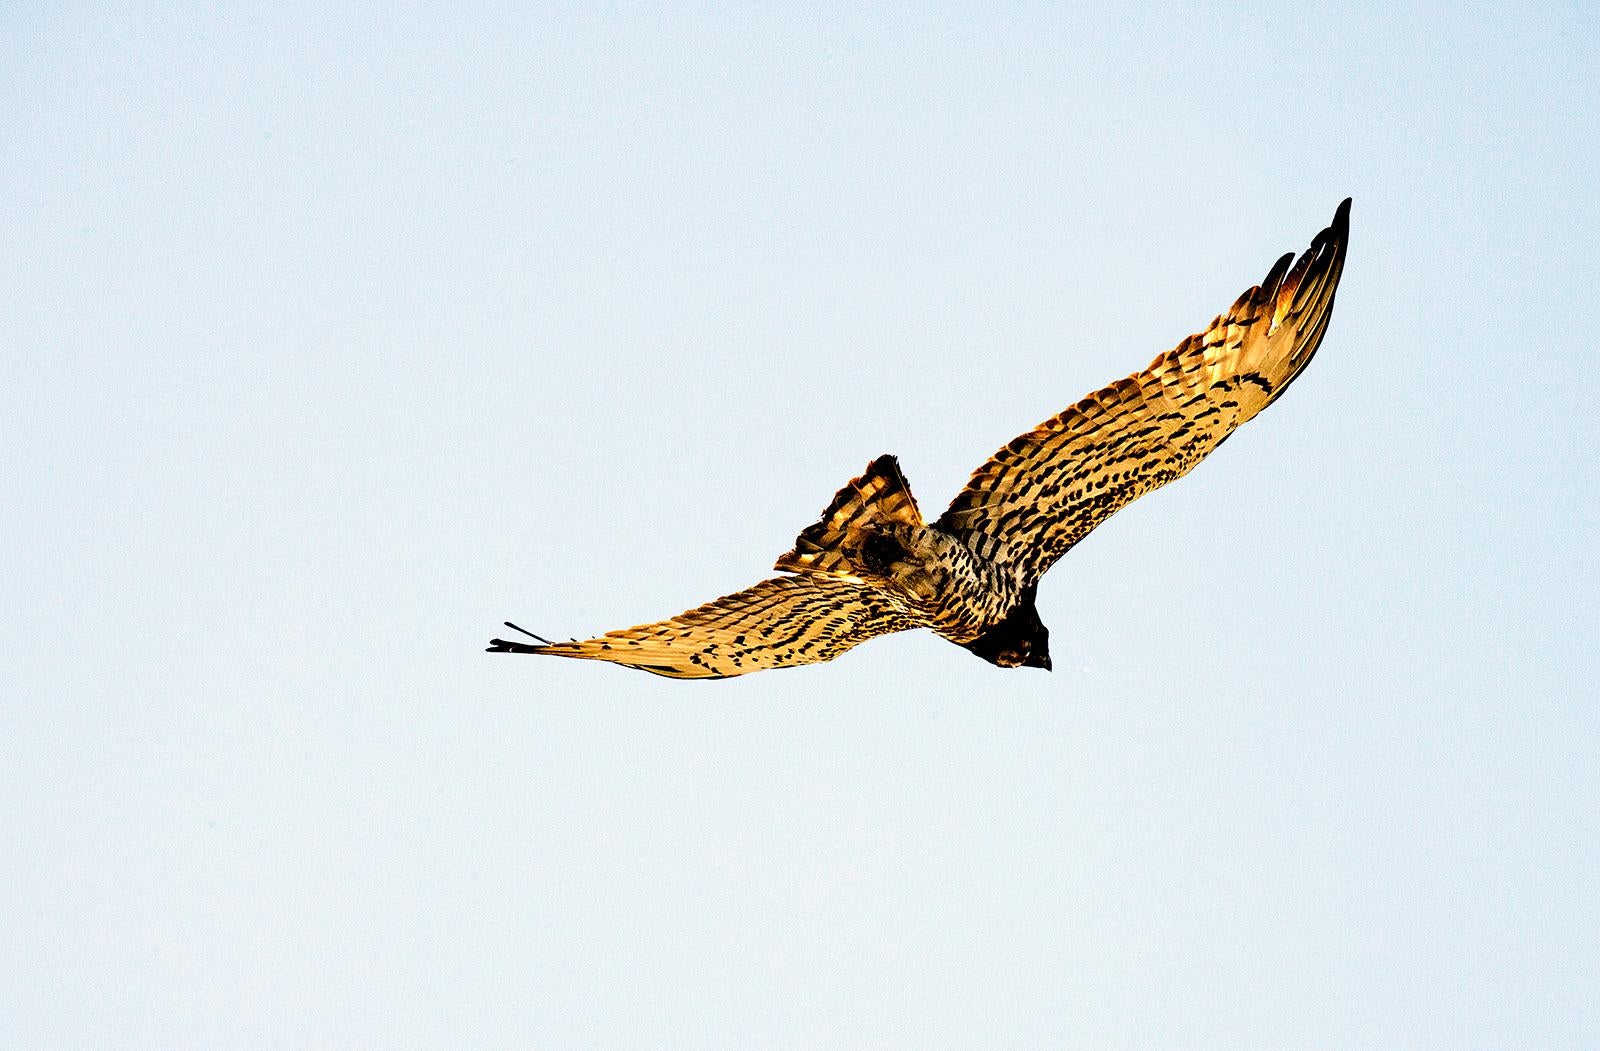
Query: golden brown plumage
{"type": "Point", "coordinates": [778, 623]}
{"type": "Point", "coordinates": [1045, 490]}
{"type": "Point", "coordinates": [871, 565]}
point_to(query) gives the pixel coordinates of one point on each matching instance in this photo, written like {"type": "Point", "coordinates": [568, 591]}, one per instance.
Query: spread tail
{"type": "Point", "coordinates": [868, 525]}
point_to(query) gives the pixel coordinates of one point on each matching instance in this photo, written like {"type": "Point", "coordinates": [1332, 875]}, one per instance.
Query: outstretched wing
{"type": "Point", "coordinates": [778, 623]}
{"type": "Point", "coordinates": [1048, 488]}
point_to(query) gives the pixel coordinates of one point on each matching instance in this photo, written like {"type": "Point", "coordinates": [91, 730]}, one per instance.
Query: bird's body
{"type": "Point", "coordinates": [871, 565]}
{"type": "Point", "coordinates": [873, 532]}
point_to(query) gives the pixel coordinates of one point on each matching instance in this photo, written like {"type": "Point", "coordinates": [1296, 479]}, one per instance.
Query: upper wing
{"type": "Point", "coordinates": [1048, 488]}
{"type": "Point", "coordinates": [776, 624]}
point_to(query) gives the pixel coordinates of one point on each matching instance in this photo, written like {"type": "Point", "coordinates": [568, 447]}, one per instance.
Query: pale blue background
{"type": "Point", "coordinates": [334, 336]}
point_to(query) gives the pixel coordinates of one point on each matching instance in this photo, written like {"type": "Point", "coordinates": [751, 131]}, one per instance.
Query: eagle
{"type": "Point", "coordinates": [872, 564]}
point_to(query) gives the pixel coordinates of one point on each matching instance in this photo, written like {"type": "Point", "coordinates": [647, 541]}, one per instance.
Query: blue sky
{"type": "Point", "coordinates": [334, 336]}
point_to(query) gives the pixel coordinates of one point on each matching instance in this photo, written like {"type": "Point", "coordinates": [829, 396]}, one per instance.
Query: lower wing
{"type": "Point", "coordinates": [778, 623]}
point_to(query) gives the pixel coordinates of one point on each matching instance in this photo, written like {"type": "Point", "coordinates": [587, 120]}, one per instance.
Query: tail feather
{"type": "Point", "coordinates": [878, 503]}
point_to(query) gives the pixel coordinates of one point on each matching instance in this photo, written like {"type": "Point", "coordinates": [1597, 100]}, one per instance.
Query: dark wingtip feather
{"type": "Point", "coordinates": [1269, 284]}
{"type": "Point", "coordinates": [1341, 217]}
{"type": "Point", "coordinates": [502, 646]}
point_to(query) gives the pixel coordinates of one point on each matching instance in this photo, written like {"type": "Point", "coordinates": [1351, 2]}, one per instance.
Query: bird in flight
{"type": "Point", "coordinates": [872, 565]}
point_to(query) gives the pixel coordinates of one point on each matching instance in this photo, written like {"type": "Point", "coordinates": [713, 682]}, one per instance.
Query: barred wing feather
{"type": "Point", "coordinates": [1047, 489]}
{"type": "Point", "coordinates": [778, 623]}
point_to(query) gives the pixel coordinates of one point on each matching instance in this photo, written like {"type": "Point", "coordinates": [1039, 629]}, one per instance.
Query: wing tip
{"type": "Point", "coordinates": [1337, 233]}
{"type": "Point", "coordinates": [1341, 217]}
{"type": "Point", "coordinates": [554, 649]}
{"type": "Point", "coordinates": [502, 646]}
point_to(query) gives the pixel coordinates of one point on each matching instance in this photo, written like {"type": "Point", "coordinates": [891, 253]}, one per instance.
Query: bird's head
{"type": "Point", "coordinates": [1019, 641]}
{"type": "Point", "coordinates": [1028, 650]}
